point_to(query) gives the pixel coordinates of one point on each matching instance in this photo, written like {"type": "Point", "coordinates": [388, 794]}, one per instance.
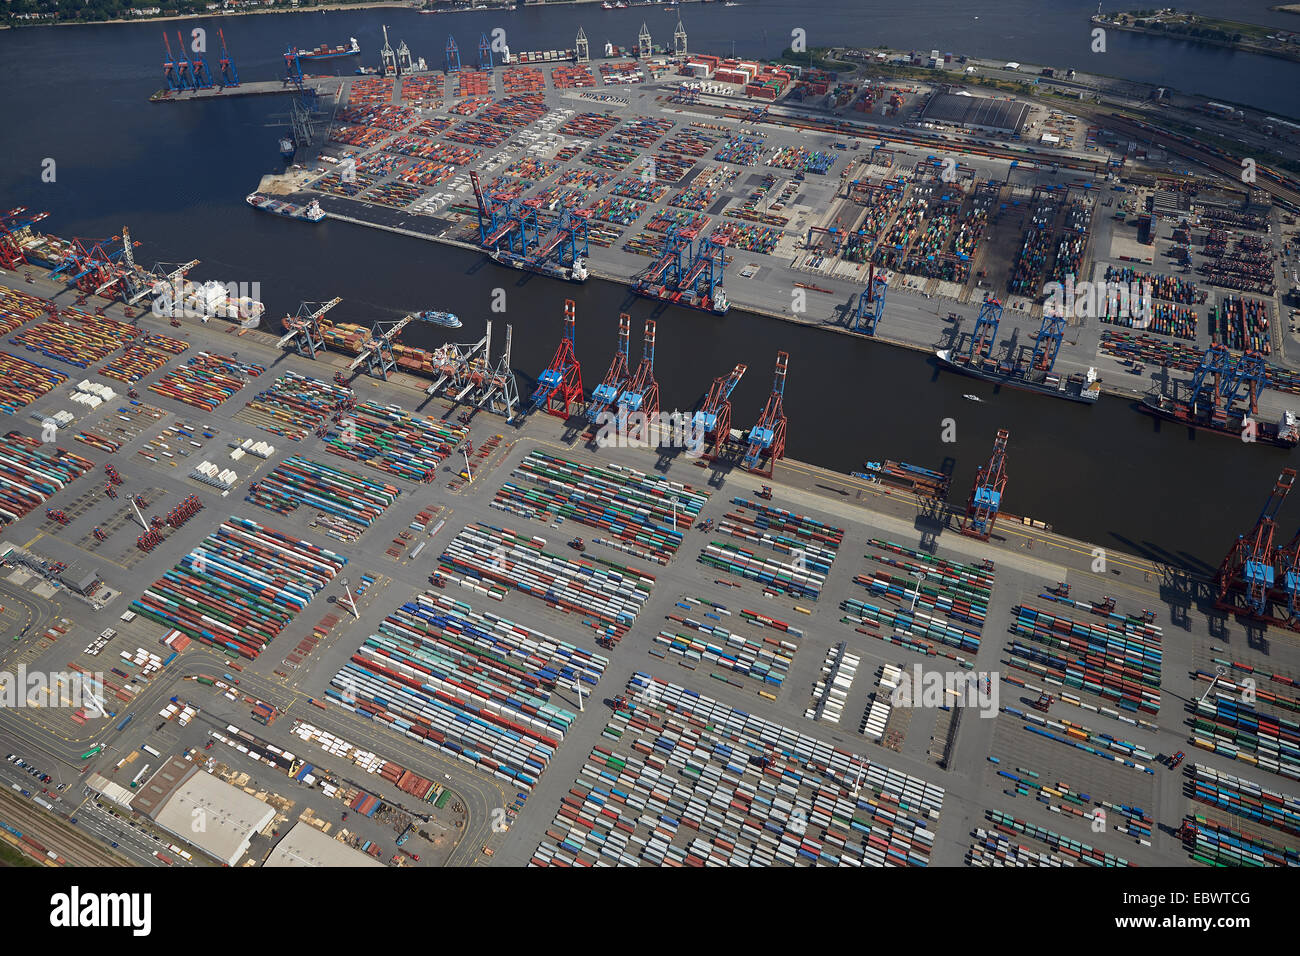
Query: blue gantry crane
{"type": "Point", "coordinates": [871, 304]}
{"type": "Point", "coordinates": [199, 72]}
{"type": "Point", "coordinates": [606, 393]}
{"type": "Point", "coordinates": [986, 495]}
{"type": "Point", "coordinates": [293, 68]}
{"type": "Point", "coordinates": [712, 420]}
{"type": "Point", "coordinates": [1047, 344]}
{"type": "Point", "coordinates": [453, 55]}
{"type": "Point", "coordinates": [559, 387]}
{"type": "Point", "coordinates": [171, 69]}
{"type": "Point", "coordinates": [641, 394]}
{"type": "Point", "coordinates": [767, 438]}
{"type": "Point", "coordinates": [229, 76]}
{"type": "Point", "coordinates": [985, 334]}
{"type": "Point", "coordinates": [1222, 379]}
{"type": "Point", "coordinates": [1247, 573]}
{"type": "Point", "coordinates": [484, 52]}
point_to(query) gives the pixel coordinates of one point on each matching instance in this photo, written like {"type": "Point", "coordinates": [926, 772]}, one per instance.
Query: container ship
{"type": "Point", "coordinates": [311, 212]}
{"type": "Point", "coordinates": [1284, 433]}
{"type": "Point", "coordinates": [331, 52]}
{"type": "Point", "coordinates": [349, 337]}
{"type": "Point", "coordinates": [1073, 388]}
{"type": "Point", "coordinates": [575, 273]}
{"type": "Point", "coordinates": [210, 300]}
{"type": "Point", "coordinates": [686, 298]}
{"type": "Point", "coordinates": [931, 484]}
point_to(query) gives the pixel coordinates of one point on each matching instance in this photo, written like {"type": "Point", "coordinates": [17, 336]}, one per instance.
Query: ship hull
{"type": "Point", "coordinates": [546, 269]}
{"type": "Point", "coordinates": [683, 303]}
{"type": "Point", "coordinates": [1081, 397]}
{"type": "Point", "coordinates": [1265, 434]}
{"type": "Point", "coordinates": [286, 209]}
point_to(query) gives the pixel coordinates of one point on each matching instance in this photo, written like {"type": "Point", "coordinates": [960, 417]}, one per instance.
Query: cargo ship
{"type": "Point", "coordinates": [210, 300]}
{"type": "Point", "coordinates": [351, 338]}
{"type": "Point", "coordinates": [932, 484]}
{"type": "Point", "coordinates": [1073, 388]}
{"type": "Point", "coordinates": [686, 298]}
{"type": "Point", "coordinates": [1284, 433]}
{"type": "Point", "coordinates": [331, 52]}
{"type": "Point", "coordinates": [447, 320]}
{"type": "Point", "coordinates": [575, 273]}
{"type": "Point", "coordinates": [311, 212]}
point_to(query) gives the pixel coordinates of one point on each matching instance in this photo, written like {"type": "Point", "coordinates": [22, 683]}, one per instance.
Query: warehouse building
{"type": "Point", "coordinates": [202, 810]}
{"type": "Point", "coordinates": [304, 845]}
{"type": "Point", "coordinates": [976, 112]}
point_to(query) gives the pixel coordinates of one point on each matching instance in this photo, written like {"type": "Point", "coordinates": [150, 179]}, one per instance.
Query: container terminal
{"type": "Point", "coordinates": [924, 213]}
{"type": "Point", "coordinates": [254, 541]}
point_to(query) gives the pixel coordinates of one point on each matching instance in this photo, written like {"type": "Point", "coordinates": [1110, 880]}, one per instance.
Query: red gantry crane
{"type": "Point", "coordinates": [559, 387]}
{"type": "Point", "coordinates": [986, 495]}
{"type": "Point", "coordinates": [713, 419]}
{"type": "Point", "coordinates": [767, 437]}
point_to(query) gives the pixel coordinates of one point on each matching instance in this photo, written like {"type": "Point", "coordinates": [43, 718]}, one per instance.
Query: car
{"type": "Point", "coordinates": [113, 845]}
{"type": "Point", "coordinates": [73, 820]}
{"type": "Point", "coordinates": [10, 757]}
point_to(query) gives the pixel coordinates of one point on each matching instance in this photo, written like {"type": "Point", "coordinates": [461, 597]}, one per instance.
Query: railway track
{"type": "Point", "coordinates": [79, 849]}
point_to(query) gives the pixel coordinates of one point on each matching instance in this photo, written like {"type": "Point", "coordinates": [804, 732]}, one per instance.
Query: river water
{"type": "Point", "coordinates": [177, 176]}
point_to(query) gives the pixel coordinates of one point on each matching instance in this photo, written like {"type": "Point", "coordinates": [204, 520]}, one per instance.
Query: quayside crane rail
{"type": "Point", "coordinates": [559, 387]}
{"type": "Point", "coordinates": [712, 420]}
{"type": "Point", "coordinates": [766, 441]}
{"type": "Point", "coordinates": [606, 393]}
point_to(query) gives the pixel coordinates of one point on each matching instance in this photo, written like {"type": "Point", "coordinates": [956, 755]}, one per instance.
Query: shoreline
{"type": "Point", "coordinates": [596, 273]}
{"type": "Point", "coordinates": [212, 15]}
{"type": "Point", "coordinates": [1240, 46]}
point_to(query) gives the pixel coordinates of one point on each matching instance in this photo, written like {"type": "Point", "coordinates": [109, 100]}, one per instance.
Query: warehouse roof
{"type": "Point", "coordinates": [202, 810]}
{"type": "Point", "coordinates": [977, 111]}
{"type": "Point", "coordinates": [304, 845]}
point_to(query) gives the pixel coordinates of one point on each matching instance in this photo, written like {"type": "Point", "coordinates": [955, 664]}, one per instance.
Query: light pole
{"type": "Point", "coordinates": [1219, 671]}
{"type": "Point", "coordinates": [578, 687]}
{"type": "Point", "coordinates": [468, 471]}
{"type": "Point", "coordinates": [674, 500]}
{"type": "Point", "coordinates": [351, 603]}
{"type": "Point", "coordinates": [920, 576]}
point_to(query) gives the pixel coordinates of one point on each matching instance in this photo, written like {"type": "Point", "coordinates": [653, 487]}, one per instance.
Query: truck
{"type": "Point", "coordinates": [406, 835]}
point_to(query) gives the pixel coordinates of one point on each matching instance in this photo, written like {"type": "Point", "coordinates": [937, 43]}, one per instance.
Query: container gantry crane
{"type": "Point", "coordinates": [185, 73]}
{"type": "Point", "coordinates": [484, 53]}
{"type": "Point", "coordinates": [767, 438]}
{"type": "Point", "coordinates": [642, 393]}
{"type": "Point", "coordinates": [606, 393]}
{"type": "Point", "coordinates": [377, 351]}
{"type": "Point", "coordinates": [1247, 572]}
{"type": "Point", "coordinates": [229, 76]}
{"type": "Point", "coordinates": [559, 387]}
{"type": "Point", "coordinates": [453, 55]}
{"type": "Point", "coordinates": [293, 68]}
{"type": "Point", "coordinates": [1047, 344]}
{"type": "Point", "coordinates": [13, 226]}
{"type": "Point", "coordinates": [164, 277]}
{"type": "Point", "coordinates": [303, 328]}
{"type": "Point", "coordinates": [985, 334]}
{"type": "Point", "coordinates": [712, 420]}
{"type": "Point", "coordinates": [986, 495]}
{"type": "Point", "coordinates": [1229, 379]}
{"type": "Point", "coordinates": [199, 72]}
{"type": "Point", "coordinates": [172, 75]}
{"type": "Point", "coordinates": [871, 304]}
